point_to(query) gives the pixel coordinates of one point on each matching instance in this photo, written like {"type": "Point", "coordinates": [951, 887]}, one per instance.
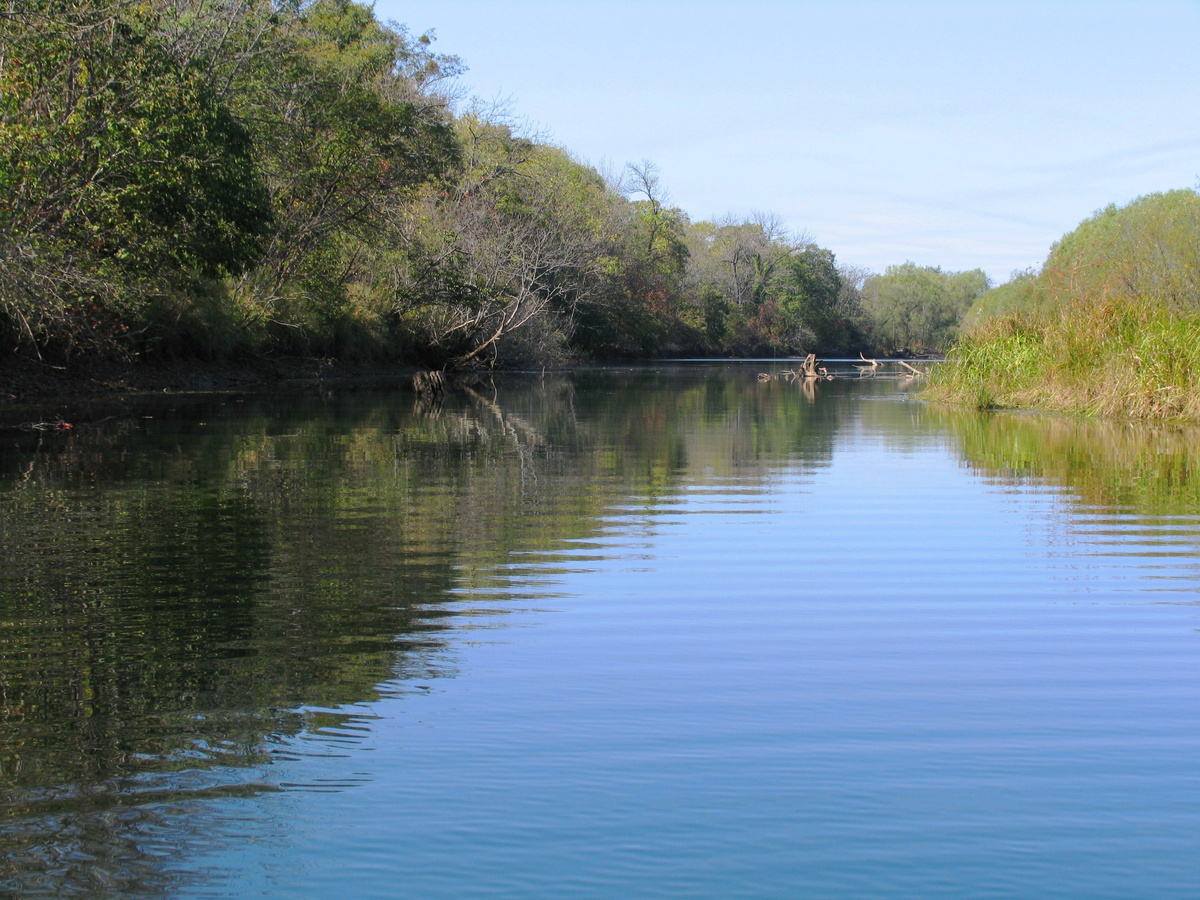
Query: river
{"type": "Point", "coordinates": [663, 631]}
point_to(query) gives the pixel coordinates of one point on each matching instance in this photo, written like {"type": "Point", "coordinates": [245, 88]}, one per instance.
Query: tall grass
{"type": "Point", "coordinates": [1122, 357]}
{"type": "Point", "coordinates": [1109, 327]}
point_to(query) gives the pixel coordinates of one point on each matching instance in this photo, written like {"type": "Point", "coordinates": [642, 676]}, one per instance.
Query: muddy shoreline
{"type": "Point", "coordinates": [32, 388]}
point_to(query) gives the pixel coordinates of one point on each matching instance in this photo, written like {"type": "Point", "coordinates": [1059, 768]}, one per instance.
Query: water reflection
{"type": "Point", "coordinates": [189, 585]}
{"type": "Point", "coordinates": [1132, 490]}
{"type": "Point", "coordinates": [197, 593]}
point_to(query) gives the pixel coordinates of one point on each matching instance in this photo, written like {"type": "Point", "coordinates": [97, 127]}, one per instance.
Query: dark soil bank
{"type": "Point", "coordinates": [31, 388]}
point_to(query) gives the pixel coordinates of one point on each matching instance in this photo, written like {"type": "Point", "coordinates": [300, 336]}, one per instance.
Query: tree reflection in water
{"type": "Point", "coordinates": [197, 592]}
{"type": "Point", "coordinates": [189, 585]}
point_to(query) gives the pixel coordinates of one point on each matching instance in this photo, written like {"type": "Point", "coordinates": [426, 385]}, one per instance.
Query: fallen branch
{"type": "Point", "coordinates": [58, 425]}
{"type": "Point", "coordinates": [872, 365]}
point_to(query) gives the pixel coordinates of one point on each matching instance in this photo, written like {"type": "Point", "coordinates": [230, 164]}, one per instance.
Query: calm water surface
{"type": "Point", "coordinates": [665, 632]}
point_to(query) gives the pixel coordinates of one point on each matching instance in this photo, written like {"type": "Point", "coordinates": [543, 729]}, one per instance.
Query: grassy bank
{"type": "Point", "coordinates": [1126, 357]}
{"type": "Point", "coordinates": [1109, 326]}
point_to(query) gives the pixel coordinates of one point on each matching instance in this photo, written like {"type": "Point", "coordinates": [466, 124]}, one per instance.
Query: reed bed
{"type": "Point", "coordinates": [1136, 358]}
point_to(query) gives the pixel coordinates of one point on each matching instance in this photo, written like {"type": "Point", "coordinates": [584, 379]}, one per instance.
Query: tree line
{"type": "Point", "coordinates": [203, 178]}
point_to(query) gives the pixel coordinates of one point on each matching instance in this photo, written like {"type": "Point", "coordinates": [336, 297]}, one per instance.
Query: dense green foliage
{"type": "Point", "coordinates": [1021, 292]}
{"type": "Point", "coordinates": [210, 177]}
{"type": "Point", "coordinates": [205, 174]}
{"type": "Point", "coordinates": [761, 291]}
{"type": "Point", "coordinates": [1149, 248]}
{"type": "Point", "coordinates": [1110, 326]}
{"type": "Point", "coordinates": [917, 308]}
{"type": "Point", "coordinates": [121, 173]}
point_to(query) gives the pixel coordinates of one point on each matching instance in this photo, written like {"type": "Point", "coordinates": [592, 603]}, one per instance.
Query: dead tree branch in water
{"type": "Point", "coordinates": [872, 365]}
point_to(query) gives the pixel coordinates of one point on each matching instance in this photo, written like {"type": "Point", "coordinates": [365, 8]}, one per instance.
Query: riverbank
{"type": "Point", "coordinates": [25, 381]}
{"type": "Point", "coordinates": [1122, 358]}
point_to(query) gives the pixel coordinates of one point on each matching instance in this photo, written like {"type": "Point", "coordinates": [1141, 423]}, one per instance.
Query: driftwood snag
{"type": "Point", "coordinates": [811, 371]}
{"type": "Point", "coordinates": [913, 371]}
{"type": "Point", "coordinates": [807, 372]}
{"type": "Point", "coordinates": [872, 365]}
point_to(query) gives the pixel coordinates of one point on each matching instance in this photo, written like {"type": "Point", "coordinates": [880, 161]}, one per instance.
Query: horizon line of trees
{"type": "Point", "coordinates": [202, 178]}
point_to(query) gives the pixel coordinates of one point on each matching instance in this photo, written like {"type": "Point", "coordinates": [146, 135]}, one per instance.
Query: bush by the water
{"type": "Point", "coordinates": [1109, 327]}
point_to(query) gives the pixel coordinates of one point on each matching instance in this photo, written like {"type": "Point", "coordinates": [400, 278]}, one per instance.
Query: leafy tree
{"type": "Point", "coordinates": [118, 166]}
{"type": "Point", "coordinates": [349, 130]}
{"type": "Point", "coordinates": [508, 258]}
{"type": "Point", "coordinates": [1148, 249]}
{"type": "Point", "coordinates": [917, 308]}
{"type": "Point", "coordinates": [1022, 291]}
{"type": "Point", "coordinates": [649, 315]}
{"type": "Point", "coordinates": [809, 291]}
{"type": "Point", "coordinates": [763, 290]}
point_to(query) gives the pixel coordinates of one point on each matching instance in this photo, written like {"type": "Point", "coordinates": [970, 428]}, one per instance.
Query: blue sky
{"type": "Point", "coordinates": [955, 134]}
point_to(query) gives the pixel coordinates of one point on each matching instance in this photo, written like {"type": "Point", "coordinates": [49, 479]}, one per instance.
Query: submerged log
{"type": "Point", "coordinates": [913, 371]}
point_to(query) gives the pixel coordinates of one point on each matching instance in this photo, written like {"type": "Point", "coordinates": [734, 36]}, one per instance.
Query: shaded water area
{"type": "Point", "coordinates": [656, 632]}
